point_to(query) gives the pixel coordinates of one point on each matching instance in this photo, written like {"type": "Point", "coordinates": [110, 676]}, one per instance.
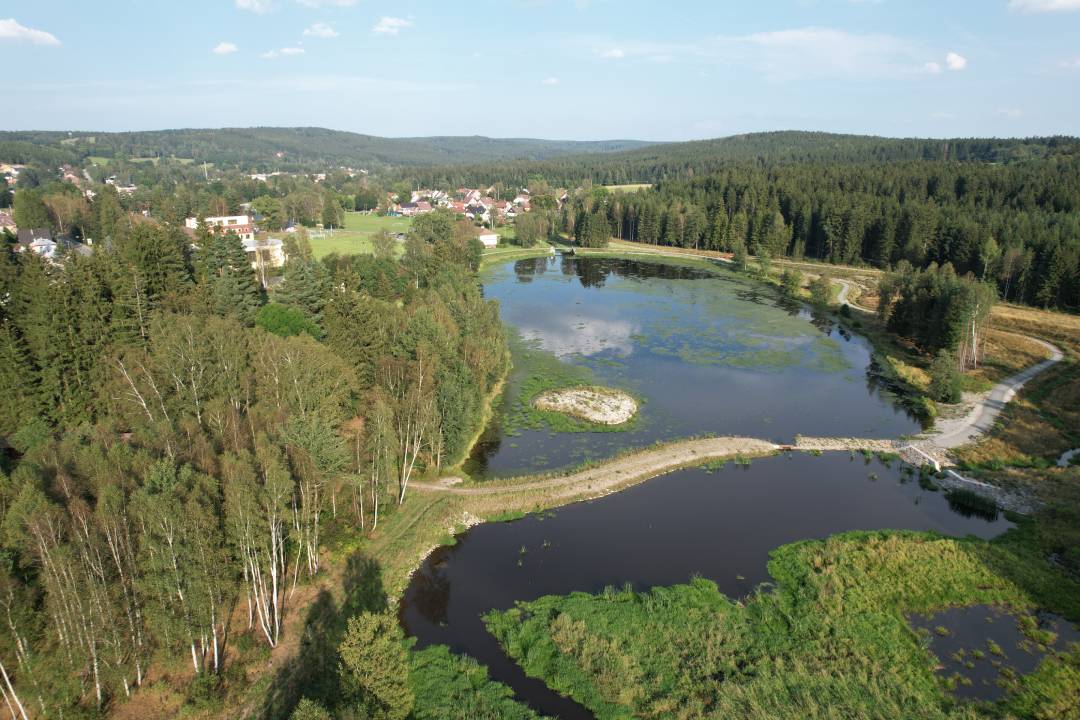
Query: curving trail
{"type": "Point", "coordinates": [949, 434]}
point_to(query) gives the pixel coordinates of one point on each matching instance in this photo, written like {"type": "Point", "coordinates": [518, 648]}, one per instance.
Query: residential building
{"type": "Point", "coordinates": [265, 253]}
{"type": "Point", "coordinates": [239, 225]}
{"type": "Point", "coordinates": [38, 241]}
{"type": "Point", "coordinates": [487, 238]}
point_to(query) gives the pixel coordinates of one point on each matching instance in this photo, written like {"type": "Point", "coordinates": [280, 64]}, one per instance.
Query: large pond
{"type": "Point", "coordinates": [719, 524]}
{"type": "Point", "coordinates": [704, 352]}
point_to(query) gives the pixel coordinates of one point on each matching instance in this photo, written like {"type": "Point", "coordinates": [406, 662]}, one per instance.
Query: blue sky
{"type": "Point", "coordinates": [576, 69]}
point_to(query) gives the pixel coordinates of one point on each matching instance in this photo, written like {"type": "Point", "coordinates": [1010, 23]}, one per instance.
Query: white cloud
{"type": "Point", "coordinates": [550, 81]}
{"type": "Point", "coordinates": [320, 30]}
{"type": "Point", "coordinates": [224, 48]}
{"type": "Point", "coordinates": [1043, 6]}
{"type": "Point", "coordinates": [789, 55]}
{"type": "Point", "coordinates": [1010, 112]}
{"type": "Point", "coordinates": [955, 61]}
{"type": "Point", "coordinates": [933, 68]}
{"type": "Point", "coordinates": [258, 7]}
{"type": "Point", "coordinates": [12, 30]}
{"type": "Point", "coordinates": [283, 52]}
{"type": "Point", "coordinates": [390, 25]}
{"type": "Point", "coordinates": [613, 54]}
{"type": "Point", "coordinates": [327, 3]}
{"type": "Point", "coordinates": [1073, 64]}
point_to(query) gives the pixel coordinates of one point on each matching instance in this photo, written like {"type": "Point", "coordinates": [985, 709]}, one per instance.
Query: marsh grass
{"type": "Point", "coordinates": [972, 504]}
{"type": "Point", "coordinates": [830, 640]}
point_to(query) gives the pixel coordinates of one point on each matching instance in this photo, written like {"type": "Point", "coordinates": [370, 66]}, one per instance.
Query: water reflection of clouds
{"type": "Point", "coordinates": [566, 335]}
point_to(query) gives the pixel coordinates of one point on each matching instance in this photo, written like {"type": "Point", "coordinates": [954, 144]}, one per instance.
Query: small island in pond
{"type": "Point", "coordinates": [599, 405]}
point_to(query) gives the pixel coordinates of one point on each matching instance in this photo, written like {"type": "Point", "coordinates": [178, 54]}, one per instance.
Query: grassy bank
{"type": "Point", "coordinates": [829, 640]}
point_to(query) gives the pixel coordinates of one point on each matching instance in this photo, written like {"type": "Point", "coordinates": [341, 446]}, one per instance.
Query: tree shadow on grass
{"type": "Point", "coordinates": [313, 671]}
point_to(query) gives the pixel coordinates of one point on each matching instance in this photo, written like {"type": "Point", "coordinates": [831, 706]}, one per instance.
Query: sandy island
{"type": "Point", "coordinates": [602, 406]}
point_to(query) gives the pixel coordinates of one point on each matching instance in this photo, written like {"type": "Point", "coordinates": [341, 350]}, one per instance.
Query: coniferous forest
{"type": "Point", "coordinates": [1014, 225]}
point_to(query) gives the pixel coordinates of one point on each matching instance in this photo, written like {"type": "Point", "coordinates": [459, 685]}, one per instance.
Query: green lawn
{"type": "Point", "coordinates": [355, 239]}
{"type": "Point", "coordinates": [371, 223]}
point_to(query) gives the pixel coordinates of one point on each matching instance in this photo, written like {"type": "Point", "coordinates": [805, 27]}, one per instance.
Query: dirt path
{"type": "Point", "coordinates": [843, 297]}
{"type": "Point", "coordinates": [616, 473]}
{"type": "Point", "coordinates": [954, 432]}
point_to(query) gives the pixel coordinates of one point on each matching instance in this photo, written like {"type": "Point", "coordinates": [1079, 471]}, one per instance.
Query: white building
{"type": "Point", "coordinates": [265, 253]}
{"type": "Point", "coordinates": [240, 225]}
{"type": "Point", "coordinates": [487, 238]}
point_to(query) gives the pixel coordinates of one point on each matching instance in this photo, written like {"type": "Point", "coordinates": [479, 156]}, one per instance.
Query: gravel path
{"type": "Point", "coordinates": [619, 472]}
{"type": "Point", "coordinates": [954, 432]}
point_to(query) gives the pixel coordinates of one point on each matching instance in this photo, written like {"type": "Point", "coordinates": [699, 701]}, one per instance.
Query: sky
{"type": "Point", "coordinates": [560, 69]}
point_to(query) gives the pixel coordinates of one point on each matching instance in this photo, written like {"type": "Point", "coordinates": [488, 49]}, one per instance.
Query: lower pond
{"type": "Point", "coordinates": [704, 352]}
{"type": "Point", "coordinates": [717, 523]}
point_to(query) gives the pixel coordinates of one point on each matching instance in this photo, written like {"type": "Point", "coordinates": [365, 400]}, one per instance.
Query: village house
{"type": "Point", "coordinates": [468, 195]}
{"type": "Point", "coordinates": [488, 238]}
{"type": "Point", "coordinates": [239, 225]}
{"type": "Point", "coordinates": [38, 241]}
{"type": "Point", "coordinates": [7, 222]}
{"type": "Point", "coordinates": [476, 211]}
{"type": "Point", "coordinates": [122, 189]}
{"type": "Point", "coordinates": [416, 208]}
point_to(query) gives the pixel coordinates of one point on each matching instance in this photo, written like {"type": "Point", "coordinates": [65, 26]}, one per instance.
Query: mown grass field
{"type": "Point", "coordinates": [356, 237]}
{"type": "Point", "coordinates": [628, 187]}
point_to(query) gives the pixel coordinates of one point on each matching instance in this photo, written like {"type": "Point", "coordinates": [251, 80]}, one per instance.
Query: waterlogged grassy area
{"type": "Point", "coordinates": [831, 638]}
{"type": "Point", "coordinates": [452, 687]}
{"type": "Point", "coordinates": [536, 370]}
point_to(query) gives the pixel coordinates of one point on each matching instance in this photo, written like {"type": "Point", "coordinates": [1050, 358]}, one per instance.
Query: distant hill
{"type": "Point", "coordinates": [687, 159]}
{"type": "Point", "coordinates": [286, 148]}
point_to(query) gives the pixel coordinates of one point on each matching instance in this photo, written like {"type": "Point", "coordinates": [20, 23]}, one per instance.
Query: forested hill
{"type": "Point", "coordinates": [690, 159]}
{"type": "Point", "coordinates": [259, 148]}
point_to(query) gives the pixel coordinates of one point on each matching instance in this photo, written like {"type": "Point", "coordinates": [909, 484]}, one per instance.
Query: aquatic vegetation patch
{"type": "Point", "coordinates": [830, 640]}
{"type": "Point", "coordinates": [538, 373]}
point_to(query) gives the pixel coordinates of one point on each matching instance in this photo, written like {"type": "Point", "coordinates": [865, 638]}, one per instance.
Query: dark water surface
{"type": "Point", "coordinates": [706, 353]}
{"type": "Point", "coordinates": [720, 525]}
{"type": "Point", "coordinates": [984, 644]}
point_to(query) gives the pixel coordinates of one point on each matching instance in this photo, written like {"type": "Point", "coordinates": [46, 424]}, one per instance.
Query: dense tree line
{"type": "Point", "coordinates": [688, 160]}
{"type": "Point", "coordinates": [294, 149]}
{"type": "Point", "coordinates": [1016, 226]}
{"type": "Point", "coordinates": [174, 458]}
{"type": "Point", "coordinates": [939, 310]}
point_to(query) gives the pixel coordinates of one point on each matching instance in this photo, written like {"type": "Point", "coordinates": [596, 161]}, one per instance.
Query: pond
{"type": "Point", "coordinates": [703, 352]}
{"type": "Point", "coordinates": [981, 650]}
{"type": "Point", "coordinates": [719, 523]}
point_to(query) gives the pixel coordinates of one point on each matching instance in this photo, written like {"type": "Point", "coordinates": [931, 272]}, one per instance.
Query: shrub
{"type": "Point", "coordinates": [819, 291]}
{"type": "Point", "coordinates": [283, 320]}
{"type": "Point", "coordinates": [945, 379]}
{"type": "Point", "coordinates": [790, 282]}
